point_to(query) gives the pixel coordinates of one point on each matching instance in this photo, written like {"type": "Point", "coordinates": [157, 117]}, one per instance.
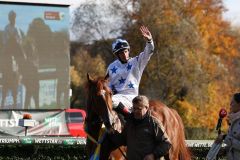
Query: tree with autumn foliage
{"type": "Point", "coordinates": [83, 63]}
{"type": "Point", "coordinates": [188, 55]}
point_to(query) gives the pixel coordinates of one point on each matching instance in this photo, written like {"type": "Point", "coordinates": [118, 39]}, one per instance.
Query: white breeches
{"type": "Point", "coordinates": [126, 100]}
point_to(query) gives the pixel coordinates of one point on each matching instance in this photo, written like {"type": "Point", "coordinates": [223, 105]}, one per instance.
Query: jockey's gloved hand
{"type": "Point", "coordinates": [114, 91]}
{"type": "Point", "coordinates": [122, 109]}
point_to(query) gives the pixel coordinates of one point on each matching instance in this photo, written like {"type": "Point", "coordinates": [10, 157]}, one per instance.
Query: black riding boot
{"type": "Point", "coordinates": [122, 112]}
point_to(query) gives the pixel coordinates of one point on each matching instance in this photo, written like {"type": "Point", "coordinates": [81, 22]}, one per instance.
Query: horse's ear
{"type": "Point", "coordinates": [106, 77]}
{"type": "Point", "coordinates": [90, 79]}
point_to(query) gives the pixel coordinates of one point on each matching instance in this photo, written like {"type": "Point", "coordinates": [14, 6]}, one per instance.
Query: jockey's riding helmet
{"type": "Point", "coordinates": [119, 45]}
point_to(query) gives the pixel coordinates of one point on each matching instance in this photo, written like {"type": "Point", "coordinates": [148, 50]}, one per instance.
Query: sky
{"type": "Point", "coordinates": [62, 2]}
{"type": "Point", "coordinates": [233, 13]}
{"type": "Point", "coordinates": [25, 18]}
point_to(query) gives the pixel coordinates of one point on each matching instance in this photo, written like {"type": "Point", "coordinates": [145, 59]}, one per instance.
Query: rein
{"type": "Point", "coordinates": [101, 137]}
{"type": "Point", "coordinates": [98, 142]}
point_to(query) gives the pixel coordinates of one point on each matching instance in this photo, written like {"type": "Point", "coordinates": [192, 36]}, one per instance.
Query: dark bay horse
{"type": "Point", "coordinates": [99, 110]}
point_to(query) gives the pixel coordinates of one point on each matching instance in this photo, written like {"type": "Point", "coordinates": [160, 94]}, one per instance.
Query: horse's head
{"type": "Point", "coordinates": [99, 101]}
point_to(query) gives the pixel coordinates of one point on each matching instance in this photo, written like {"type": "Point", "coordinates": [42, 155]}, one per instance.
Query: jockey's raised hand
{"type": "Point", "coordinates": [146, 33]}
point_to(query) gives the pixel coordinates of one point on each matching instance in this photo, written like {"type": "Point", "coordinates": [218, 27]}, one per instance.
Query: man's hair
{"type": "Point", "coordinates": [141, 99]}
{"type": "Point", "coordinates": [236, 97]}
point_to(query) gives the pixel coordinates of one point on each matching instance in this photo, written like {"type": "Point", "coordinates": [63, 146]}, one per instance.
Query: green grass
{"type": "Point", "coordinates": [41, 152]}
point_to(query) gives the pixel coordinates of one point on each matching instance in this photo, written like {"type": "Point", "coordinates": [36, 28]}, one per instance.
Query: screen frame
{"type": "Point", "coordinates": [34, 3]}
{"type": "Point", "coordinates": [38, 2]}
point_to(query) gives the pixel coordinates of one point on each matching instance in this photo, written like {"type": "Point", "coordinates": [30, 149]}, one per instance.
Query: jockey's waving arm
{"type": "Point", "coordinates": [144, 57]}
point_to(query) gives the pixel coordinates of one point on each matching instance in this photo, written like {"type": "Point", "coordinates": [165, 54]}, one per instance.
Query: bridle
{"type": "Point", "coordinates": [100, 95]}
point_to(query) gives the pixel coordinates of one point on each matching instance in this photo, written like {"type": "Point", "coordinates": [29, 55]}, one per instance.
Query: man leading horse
{"type": "Point", "coordinates": [143, 134]}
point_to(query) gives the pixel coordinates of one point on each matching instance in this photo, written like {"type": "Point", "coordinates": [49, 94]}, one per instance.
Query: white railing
{"type": "Point", "coordinates": [77, 141]}
{"type": "Point", "coordinates": [199, 143]}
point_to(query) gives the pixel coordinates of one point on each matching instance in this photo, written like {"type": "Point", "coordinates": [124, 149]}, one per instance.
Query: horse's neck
{"type": "Point", "coordinates": [92, 129]}
{"type": "Point", "coordinates": [94, 124]}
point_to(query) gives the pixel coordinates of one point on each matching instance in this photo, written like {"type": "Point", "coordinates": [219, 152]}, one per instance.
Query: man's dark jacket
{"type": "Point", "coordinates": [143, 137]}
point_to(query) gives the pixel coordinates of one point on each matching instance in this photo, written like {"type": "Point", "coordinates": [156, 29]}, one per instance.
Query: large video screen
{"type": "Point", "coordinates": [34, 56]}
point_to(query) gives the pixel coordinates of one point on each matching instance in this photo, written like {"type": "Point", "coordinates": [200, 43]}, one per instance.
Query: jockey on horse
{"type": "Point", "coordinates": [125, 73]}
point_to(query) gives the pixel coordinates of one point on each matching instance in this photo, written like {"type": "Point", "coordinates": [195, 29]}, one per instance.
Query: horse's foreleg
{"type": "Point", "coordinates": [14, 94]}
{"type": "Point", "coordinates": [4, 94]}
{"type": "Point", "coordinates": [36, 99]}
{"type": "Point", "coordinates": [3, 99]}
{"type": "Point", "coordinates": [15, 102]}
{"type": "Point", "coordinates": [27, 99]}
{"type": "Point", "coordinates": [89, 148]}
{"type": "Point", "coordinates": [106, 148]}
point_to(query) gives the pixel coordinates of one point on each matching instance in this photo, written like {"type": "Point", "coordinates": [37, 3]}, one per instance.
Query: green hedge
{"type": "Point", "coordinates": [41, 152]}
{"type": "Point", "coordinates": [58, 152]}
{"type": "Point", "coordinates": [200, 153]}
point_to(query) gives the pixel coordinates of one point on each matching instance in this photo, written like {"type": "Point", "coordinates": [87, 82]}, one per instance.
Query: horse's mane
{"type": "Point", "coordinates": [172, 122]}
{"type": "Point", "coordinates": [99, 82]}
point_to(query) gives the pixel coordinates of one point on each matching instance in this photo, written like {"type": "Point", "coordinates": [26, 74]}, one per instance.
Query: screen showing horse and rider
{"type": "Point", "coordinates": [34, 56]}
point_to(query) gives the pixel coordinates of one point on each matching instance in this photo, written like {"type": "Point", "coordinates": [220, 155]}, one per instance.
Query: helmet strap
{"type": "Point", "coordinates": [123, 62]}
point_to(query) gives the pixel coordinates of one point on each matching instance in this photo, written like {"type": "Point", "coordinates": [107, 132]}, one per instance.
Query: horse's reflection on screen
{"type": "Point", "coordinates": [99, 110]}
{"type": "Point", "coordinates": [11, 56]}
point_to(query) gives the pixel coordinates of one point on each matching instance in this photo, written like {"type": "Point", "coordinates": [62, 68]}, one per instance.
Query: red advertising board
{"type": "Point", "coordinates": [69, 122]}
